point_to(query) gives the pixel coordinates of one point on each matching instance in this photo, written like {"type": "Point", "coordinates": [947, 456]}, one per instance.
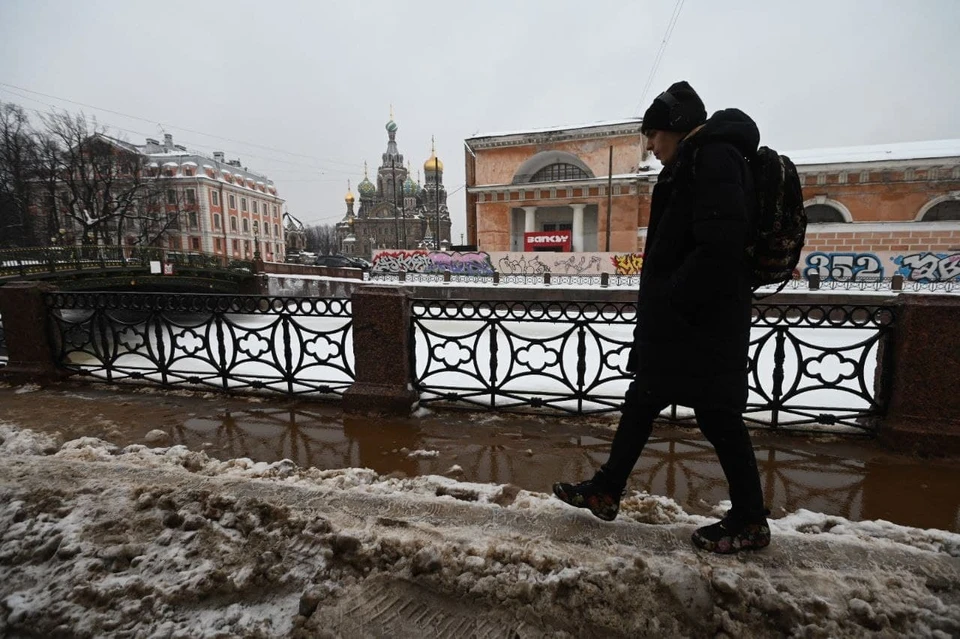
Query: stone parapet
{"type": "Point", "coordinates": [383, 371]}
{"type": "Point", "coordinates": [923, 378]}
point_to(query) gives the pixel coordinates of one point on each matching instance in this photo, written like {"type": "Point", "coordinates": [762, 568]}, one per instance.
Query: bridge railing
{"type": "Point", "coordinates": [839, 367]}
{"type": "Point", "coordinates": [231, 343]}
{"type": "Point", "coordinates": [40, 261]}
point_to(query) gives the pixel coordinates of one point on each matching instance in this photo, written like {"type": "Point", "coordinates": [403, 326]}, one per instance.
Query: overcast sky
{"type": "Point", "coordinates": [314, 81]}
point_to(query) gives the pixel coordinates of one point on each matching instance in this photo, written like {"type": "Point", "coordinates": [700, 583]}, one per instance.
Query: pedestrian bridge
{"type": "Point", "coordinates": [111, 267]}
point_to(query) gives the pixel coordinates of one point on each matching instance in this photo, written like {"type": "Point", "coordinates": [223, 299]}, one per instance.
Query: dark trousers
{"type": "Point", "coordinates": [724, 429]}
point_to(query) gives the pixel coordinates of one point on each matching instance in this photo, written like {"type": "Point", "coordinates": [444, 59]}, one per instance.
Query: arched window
{"type": "Point", "coordinates": [822, 214]}
{"type": "Point", "coordinates": [549, 166]}
{"type": "Point", "coordinates": [559, 171]}
{"type": "Point", "coordinates": [942, 212]}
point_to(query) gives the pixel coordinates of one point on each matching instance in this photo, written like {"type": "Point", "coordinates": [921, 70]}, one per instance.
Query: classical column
{"type": "Point", "coordinates": [578, 226]}
{"type": "Point", "coordinates": [530, 221]}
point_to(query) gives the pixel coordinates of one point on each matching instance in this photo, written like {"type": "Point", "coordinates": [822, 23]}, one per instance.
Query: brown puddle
{"type": "Point", "coordinates": [851, 478]}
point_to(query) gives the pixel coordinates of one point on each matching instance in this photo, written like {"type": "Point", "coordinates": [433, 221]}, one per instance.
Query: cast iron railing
{"type": "Point", "coordinates": [25, 262]}
{"type": "Point", "coordinates": [811, 366]}
{"type": "Point", "coordinates": [287, 345]}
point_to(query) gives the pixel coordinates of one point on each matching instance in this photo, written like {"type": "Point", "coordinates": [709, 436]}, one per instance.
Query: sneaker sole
{"type": "Point", "coordinates": [562, 496]}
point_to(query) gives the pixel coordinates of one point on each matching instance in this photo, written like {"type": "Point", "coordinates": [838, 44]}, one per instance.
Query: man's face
{"type": "Point", "coordinates": [664, 144]}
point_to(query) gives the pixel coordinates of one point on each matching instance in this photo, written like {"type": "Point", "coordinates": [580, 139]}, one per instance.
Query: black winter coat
{"type": "Point", "coordinates": [693, 318]}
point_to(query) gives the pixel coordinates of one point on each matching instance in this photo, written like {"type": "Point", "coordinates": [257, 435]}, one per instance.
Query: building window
{"type": "Point", "coordinates": [246, 247]}
{"type": "Point", "coordinates": [943, 212]}
{"type": "Point", "coordinates": [171, 196]}
{"type": "Point", "coordinates": [256, 227]}
{"type": "Point", "coordinates": [560, 171]}
{"type": "Point", "coordinates": [191, 196]}
{"type": "Point", "coordinates": [233, 202]}
{"type": "Point", "coordinates": [274, 211]}
{"type": "Point", "coordinates": [823, 214]}
{"type": "Point", "coordinates": [216, 221]}
{"type": "Point", "coordinates": [246, 225]}
{"type": "Point", "coordinates": [216, 244]}
{"type": "Point", "coordinates": [256, 206]}
{"type": "Point", "coordinates": [215, 198]}
{"type": "Point", "coordinates": [194, 222]}
{"type": "Point", "coordinates": [276, 230]}
{"type": "Point", "coordinates": [233, 223]}
{"type": "Point", "coordinates": [243, 204]}
{"type": "Point", "coordinates": [266, 229]}
{"type": "Point", "coordinates": [195, 243]}
{"type": "Point", "coordinates": [236, 247]}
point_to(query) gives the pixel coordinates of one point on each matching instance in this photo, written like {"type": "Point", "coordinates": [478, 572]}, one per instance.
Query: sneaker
{"type": "Point", "coordinates": [594, 495]}
{"type": "Point", "coordinates": [733, 534]}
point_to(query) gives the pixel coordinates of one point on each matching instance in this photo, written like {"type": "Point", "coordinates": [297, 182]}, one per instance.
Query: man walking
{"type": "Point", "coordinates": [693, 316]}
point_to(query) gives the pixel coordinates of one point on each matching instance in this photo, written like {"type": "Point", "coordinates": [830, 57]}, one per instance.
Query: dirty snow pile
{"type": "Point", "coordinates": [165, 542]}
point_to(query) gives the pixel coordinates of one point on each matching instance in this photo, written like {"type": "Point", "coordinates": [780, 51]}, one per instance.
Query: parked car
{"type": "Point", "coordinates": [342, 261]}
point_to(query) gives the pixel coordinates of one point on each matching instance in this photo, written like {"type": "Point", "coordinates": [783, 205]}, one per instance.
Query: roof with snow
{"type": "Point", "coordinates": [506, 138]}
{"type": "Point", "coordinates": [565, 127]}
{"type": "Point", "coordinates": [897, 151]}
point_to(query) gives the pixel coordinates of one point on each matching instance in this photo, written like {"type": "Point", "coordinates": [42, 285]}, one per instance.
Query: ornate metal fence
{"type": "Point", "coordinates": [286, 345]}
{"type": "Point", "coordinates": [811, 366]}
{"type": "Point", "coordinates": [25, 262]}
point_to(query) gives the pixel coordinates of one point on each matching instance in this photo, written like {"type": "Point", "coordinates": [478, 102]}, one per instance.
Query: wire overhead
{"type": "Point", "coordinates": [677, 8]}
{"type": "Point", "coordinates": [180, 128]}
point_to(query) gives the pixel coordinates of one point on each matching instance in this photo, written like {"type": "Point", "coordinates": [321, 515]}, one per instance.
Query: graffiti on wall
{"type": "Point", "coordinates": [922, 266]}
{"type": "Point", "coordinates": [627, 263]}
{"type": "Point", "coordinates": [401, 261]}
{"type": "Point", "coordinates": [518, 264]}
{"type": "Point", "coordinates": [843, 267]}
{"type": "Point", "coordinates": [928, 267]}
{"type": "Point", "coordinates": [476, 263]}
{"type": "Point", "coordinates": [577, 265]}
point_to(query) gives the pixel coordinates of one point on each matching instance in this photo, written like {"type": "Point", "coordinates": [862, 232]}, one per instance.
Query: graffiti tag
{"type": "Point", "coordinates": [627, 263]}
{"type": "Point", "coordinates": [928, 267]}
{"type": "Point", "coordinates": [460, 263]}
{"type": "Point", "coordinates": [397, 261]}
{"type": "Point", "coordinates": [843, 267]}
{"type": "Point", "coordinates": [573, 265]}
{"type": "Point", "coordinates": [521, 266]}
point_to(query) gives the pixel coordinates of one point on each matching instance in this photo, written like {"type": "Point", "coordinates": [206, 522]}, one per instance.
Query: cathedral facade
{"type": "Point", "coordinates": [396, 212]}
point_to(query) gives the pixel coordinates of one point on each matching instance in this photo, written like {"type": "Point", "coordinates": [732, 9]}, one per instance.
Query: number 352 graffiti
{"type": "Point", "coordinates": [917, 267]}
{"type": "Point", "coordinates": [843, 267]}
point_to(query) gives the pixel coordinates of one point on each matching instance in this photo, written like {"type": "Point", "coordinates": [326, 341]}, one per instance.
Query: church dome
{"type": "Point", "coordinates": [391, 126]}
{"type": "Point", "coordinates": [410, 187]}
{"type": "Point", "coordinates": [433, 162]}
{"type": "Point", "coordinates": [366, 188]}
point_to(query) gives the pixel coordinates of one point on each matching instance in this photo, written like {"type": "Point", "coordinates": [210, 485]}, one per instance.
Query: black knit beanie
{"type": "Point", "coordinates": [679, 108]}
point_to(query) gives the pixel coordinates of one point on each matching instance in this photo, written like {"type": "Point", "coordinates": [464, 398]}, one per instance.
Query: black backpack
{"type": "Point", "coordinates": [781, 222]}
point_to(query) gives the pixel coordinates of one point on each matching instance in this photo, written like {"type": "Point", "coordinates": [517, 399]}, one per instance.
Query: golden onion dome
{"type": "Point", "coordinates": [349, 196]}
{"type": "Point", "coordinates": [433, 163]}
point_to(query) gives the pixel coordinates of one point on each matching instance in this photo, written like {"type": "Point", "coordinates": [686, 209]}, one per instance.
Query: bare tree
{"type": "Point", "coordinates": [18, 165]}
{"type": "Point", "coordinates": [322, 239]}
{"type": "Point", "coordinates": [106, 188]}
